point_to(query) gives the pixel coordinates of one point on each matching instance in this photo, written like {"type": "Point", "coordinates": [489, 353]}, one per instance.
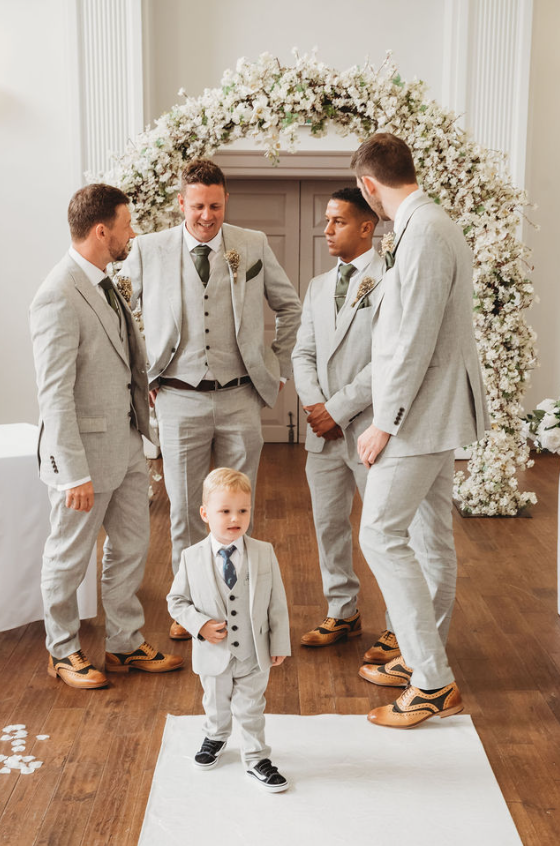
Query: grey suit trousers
{"type": "Point", "coordinates": [333, 478]}
{"type": "Point", "coordinates": [238, 691]}
{"type": "Point", "coordinates": [125, 516]}
{"type": "Point", "coordinates": [418, 588]}
{"type": "Point", "coordinates": [192, 426]}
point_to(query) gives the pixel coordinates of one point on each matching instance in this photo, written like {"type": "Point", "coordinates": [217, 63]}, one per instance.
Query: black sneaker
{"type": "Point", "coordinates": [268, 776]}
{"type": "Point", "coordinates": [208, 754]}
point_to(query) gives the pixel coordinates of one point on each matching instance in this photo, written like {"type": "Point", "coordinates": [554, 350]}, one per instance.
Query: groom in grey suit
{"type": "Point", "coordinates": [332, 373]}
{"type": "Point", "coordinates": [201, 287]}
{"type": "Point", "coordinates": [93, 399]}
{"type": "Point", "coordinates": [428, 398]}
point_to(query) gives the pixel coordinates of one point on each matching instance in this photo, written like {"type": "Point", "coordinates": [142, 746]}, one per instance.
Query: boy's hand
{"type": "Point", "coordinates": [277, 660]}
{"type": "Point", "coordinates": [213, 631]}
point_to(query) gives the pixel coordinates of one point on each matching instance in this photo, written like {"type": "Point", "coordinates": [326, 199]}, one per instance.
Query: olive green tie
{"type": "Point", "coordinates": [345, 271]}
{"type": "Point", "coordinates": [110, 295]}
{"type": "Point", "coordinates": [202, 262]}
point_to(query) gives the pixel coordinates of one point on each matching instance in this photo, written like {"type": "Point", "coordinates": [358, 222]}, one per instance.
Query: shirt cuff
{"type": "Point", "coordinates": [69, 485]}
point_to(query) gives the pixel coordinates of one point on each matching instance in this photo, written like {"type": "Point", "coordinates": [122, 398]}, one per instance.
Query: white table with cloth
{"type": "Point", "coordinates": [24, 527]}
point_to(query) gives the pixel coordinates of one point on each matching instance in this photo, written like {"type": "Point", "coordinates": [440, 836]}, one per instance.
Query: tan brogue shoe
{"type": "Point", "coordinates": [393, 674]}
{"type": "Point", "coordinates": [76, 671]}
{"type": "Point", "coordinates": [383, 650]}
{"type": "Point", "coordinates": [414, 706]}
{"type": "Point", "coordinates": [332, 630]}
{"type": "Point", "coordinates": [144, 658]}
{"type": "Point", "coordinates": [178, 632]}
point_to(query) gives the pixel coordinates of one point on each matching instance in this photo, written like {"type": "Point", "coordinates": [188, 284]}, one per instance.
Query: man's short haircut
{"type": "Point", "coordinates": [203, 172]}
{"type": "Point", "coordinates": [93, 204]}
{"type": "Point", "coordinates": [387, 158]}
{"type": "Point", "coordinates": [354, 197]}
{"type": "Point", "coordinates": [225, 477]}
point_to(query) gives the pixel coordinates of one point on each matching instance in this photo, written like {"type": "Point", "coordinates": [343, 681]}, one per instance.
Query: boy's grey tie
{"type": "Point", "coordinates": [230, 576]}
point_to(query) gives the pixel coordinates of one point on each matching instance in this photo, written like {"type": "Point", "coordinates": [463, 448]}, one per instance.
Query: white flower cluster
{"type": "Point", "coordinates": [543, 425]}
{"type": "Point", "coordinates": [23, 764]}
{"type": "Point", "coordinates": [271, 103]}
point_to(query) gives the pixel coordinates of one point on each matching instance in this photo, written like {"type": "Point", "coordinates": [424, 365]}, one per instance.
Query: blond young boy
{"type": "Point", "coordinates": [228, 594]}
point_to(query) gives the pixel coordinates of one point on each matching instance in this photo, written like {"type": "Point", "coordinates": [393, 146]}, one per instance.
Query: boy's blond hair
{"type": "Point", "coordinates": [225, 477]}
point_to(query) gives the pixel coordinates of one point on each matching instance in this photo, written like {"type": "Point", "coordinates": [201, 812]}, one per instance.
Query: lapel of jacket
{"type": "Point", "coordinates": [375, 271]}
{"type": "Point", "coordinates": [208, 571]}
{"type": "Point", "coordinates": [233, 239]}
{"type": "Point", "coordinates": [171, 249]}
{"type": "Point", "coordinates": [252, 567]}
{"type": "Point", "coordinates": [102, 310]}
{"type": "Point", "coordinates": [325, 310]}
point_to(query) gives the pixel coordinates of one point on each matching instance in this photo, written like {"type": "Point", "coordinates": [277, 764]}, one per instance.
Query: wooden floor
{"type": "Point", "coordinates": [504, 647]}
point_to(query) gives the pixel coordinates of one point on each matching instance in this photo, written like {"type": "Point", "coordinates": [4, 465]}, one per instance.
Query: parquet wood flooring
{"type": "Point", "coordinates": [504, 646]}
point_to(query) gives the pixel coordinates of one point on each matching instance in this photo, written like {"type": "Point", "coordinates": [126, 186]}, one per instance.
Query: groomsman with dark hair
{"type": "Point", "coordinates": [332, 373]}
{"type": "Point", "coordinates": [428, 398]}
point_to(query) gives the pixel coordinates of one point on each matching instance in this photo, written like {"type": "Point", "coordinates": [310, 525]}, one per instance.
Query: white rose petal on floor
{"type": "Point", "coordinates": [435, 782]}
{"type": "Point", "coordinates": [24, 765]}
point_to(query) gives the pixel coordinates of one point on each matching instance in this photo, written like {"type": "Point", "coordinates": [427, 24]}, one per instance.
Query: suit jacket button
{"type": "Point", "coordinates": [129, 386]}
{"type": "Point", "coordinates": [232, 597]}
{"type": "Point", "coordinates": [235, 643]}
{"type": "Point", "coordinates": [234, 628]}
{"type": "Point", "coordinates": [233, 613]}
{"type": "Point", "coordinates": [207, 348]}
{"type": "Point", "coordinates": [173, 349]}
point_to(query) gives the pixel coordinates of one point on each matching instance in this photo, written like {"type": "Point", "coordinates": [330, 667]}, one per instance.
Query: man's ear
{"type": "Point", "coordinates": [370, 184]}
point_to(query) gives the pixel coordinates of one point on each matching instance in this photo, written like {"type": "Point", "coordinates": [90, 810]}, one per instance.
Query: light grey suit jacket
{"type": "Point", "coordinates": [332, 363]}
{"type": "Point", "coordinates": [154, 266]}
{"type": "Point", "coordinates": [85, 382]}
{"type": "Point", "coordinates": [195, 598]}
{"type": "Point", "coordinates": [427, 385]}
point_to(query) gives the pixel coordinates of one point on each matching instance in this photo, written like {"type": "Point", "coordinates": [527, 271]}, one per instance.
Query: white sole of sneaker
{"type": "Point", "coordinates": [270, 788]}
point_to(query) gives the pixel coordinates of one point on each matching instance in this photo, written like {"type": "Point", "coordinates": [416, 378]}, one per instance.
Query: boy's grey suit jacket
{"type": "Point", "coordinates": [154, 266]}
{"type": "Point", "coordinates": [427, 385]}
{"type": "Point", "coordinates": [195, 598]}
{"type": "Point", "coordinates": [85, 382]}
{"type": "Point", "coordinates": [332, 363]}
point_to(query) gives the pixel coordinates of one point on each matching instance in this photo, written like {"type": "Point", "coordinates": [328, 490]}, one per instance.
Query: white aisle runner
{"type": "Point", "coordinates": [352, 784]}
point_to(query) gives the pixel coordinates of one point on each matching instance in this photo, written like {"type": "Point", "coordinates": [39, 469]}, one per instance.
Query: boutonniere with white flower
{"type": "Point", "coordinates": [387, 249]}
{"type": "Point", "coordinates": [366, 285]}
{"type": "Point", "coordinates": [543, 426]}
{"type": "Point", "coordinates": [232, 259]}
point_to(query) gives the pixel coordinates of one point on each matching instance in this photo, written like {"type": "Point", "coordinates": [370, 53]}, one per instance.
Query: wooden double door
{"type": "Point", "coordinates": [291, 212]}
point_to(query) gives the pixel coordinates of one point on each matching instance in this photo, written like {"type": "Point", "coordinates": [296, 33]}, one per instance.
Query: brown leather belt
{"type": "Point", "coordinates": [205, 385]}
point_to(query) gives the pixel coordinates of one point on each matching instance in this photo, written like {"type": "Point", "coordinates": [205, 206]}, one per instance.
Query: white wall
{"type": "Point", "coordinates": [37, 178]}
{"type": "Point", "coordinates": [190, 44]}
{"type": "Point", "coordinates": [543, 184]}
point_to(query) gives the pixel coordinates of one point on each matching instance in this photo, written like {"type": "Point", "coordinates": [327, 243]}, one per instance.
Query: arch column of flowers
{"type": "Point", "coordinates": [270, 103]}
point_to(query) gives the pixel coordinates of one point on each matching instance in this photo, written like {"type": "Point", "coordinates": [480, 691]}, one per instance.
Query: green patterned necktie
{"type": "Point", "coordinates": [110, 295]}
{"type": "Point", "coordinates": [201, 262]}
{"type": "Point", "coordinates": [345, 271]}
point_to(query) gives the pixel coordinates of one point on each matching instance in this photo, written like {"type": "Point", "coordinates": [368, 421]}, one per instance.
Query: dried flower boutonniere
{"type": "Point", "coordinates": [232, 259]}
{"type": "Point", "coordinates": [124, 287]}
{"type": "Point", "coordinates": [387, 247]}
{"type": "Point", "coordinates": [366, 285]}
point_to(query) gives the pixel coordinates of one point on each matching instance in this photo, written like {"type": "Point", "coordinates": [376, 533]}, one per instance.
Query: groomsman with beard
{"type": "Point", "coordinates": [93, 400]}
{"type": "Point", "coordinates": [428, 398]}
{"type": "Point", "coordinates": [332, 373]}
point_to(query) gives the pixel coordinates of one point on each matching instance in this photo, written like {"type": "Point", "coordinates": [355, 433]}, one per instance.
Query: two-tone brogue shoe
{"type": "Point", "coordinates": [383, 650]}
{"type": "Point", "coordinates": [414, 706]}
{"type": "Point", "coordinates": [393, 674]}
{"type": "Point", "coordinates": [76, 671]}
{"type": "Point", "coordinates": [144, 658]}
{"type": "Point", "coordinates": [332, 629]}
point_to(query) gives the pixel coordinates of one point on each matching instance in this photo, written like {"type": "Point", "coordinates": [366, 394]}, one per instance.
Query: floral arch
{"type": "Point", "coordinates": [271, 103]}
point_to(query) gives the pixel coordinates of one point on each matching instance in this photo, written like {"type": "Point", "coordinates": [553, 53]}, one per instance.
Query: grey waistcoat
{"type": "Point", "coordinates": [243, 634]}
{"type": "Point", "coordinates": [207, 329]}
